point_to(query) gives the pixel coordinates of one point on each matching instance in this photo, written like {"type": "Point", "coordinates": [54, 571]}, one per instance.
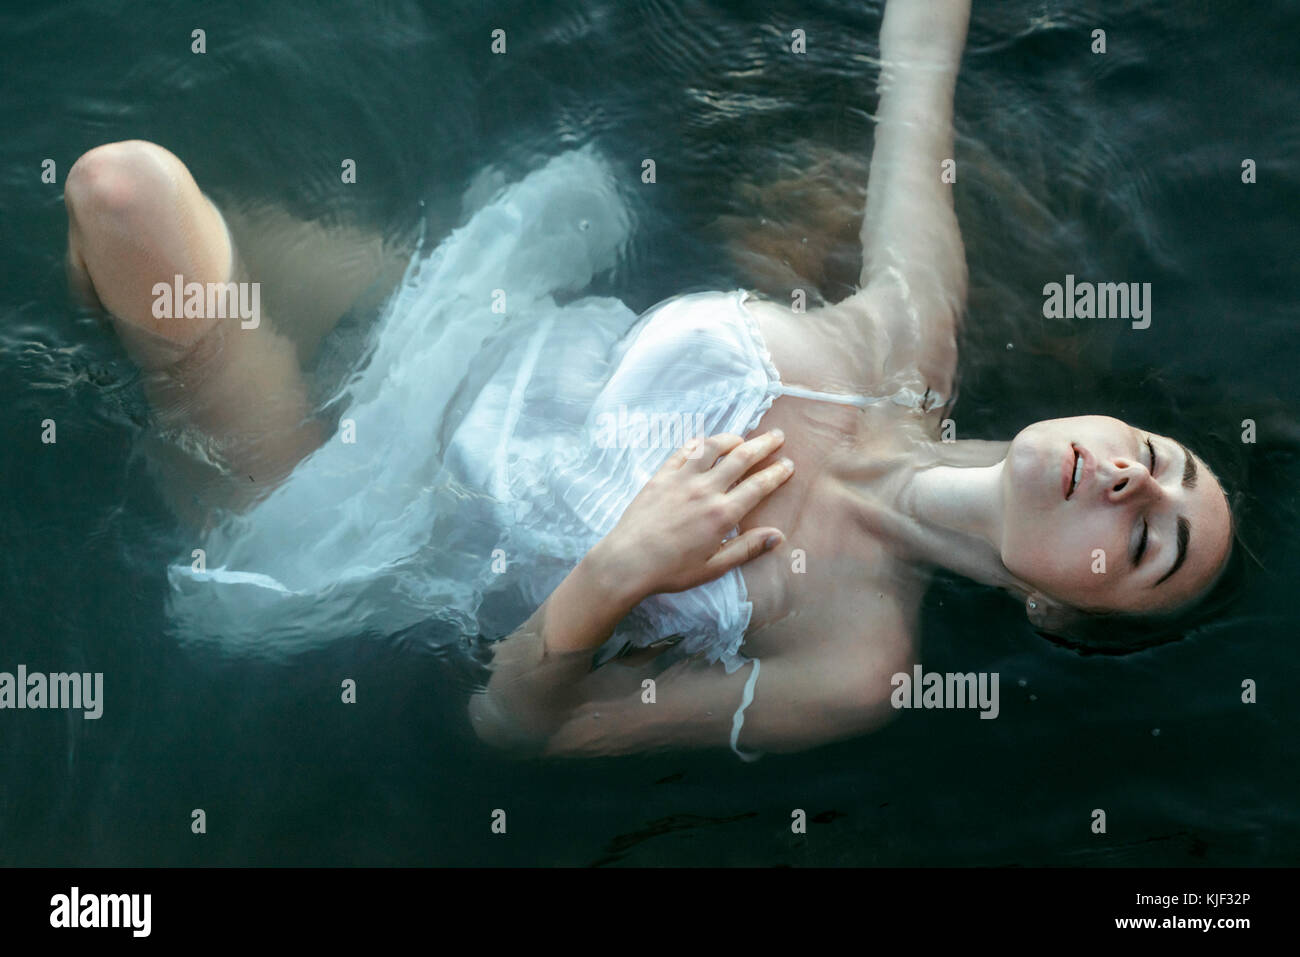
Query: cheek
{"type": "Point", "coordinates": [1050, 554]}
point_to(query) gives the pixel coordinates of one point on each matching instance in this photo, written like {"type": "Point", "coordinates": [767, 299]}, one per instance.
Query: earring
{"type": "Point", "coordinates": [1033, 605]}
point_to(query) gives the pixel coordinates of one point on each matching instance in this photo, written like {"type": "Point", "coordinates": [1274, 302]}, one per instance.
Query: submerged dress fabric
{"type": "Point", "coordinates": [495, 430]}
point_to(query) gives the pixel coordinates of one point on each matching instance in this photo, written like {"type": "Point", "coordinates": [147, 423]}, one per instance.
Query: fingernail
{"type": "Point", "coordinates": [771, 541]}
{"type": "Point", "coordinates": [788, 463]}
{"type": "Point", "coordinates": [778, 434]}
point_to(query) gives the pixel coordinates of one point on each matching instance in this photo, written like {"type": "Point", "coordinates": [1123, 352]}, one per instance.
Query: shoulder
{"type": "Point", "coordinates": [818, 348]}
{"type": "Point", "coordinates": [904, 348]}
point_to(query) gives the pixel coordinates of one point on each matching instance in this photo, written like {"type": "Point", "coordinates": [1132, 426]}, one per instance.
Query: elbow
{"type": "Point", "coordinates": [867, 692]}
{"type": "Point", "coordinates": [873, 713]}
{"type": "Point", "coordinates": [498, 730]}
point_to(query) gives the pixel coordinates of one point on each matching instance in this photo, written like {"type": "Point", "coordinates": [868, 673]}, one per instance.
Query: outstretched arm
{"type": "Point", "coordinates": [914, 266]}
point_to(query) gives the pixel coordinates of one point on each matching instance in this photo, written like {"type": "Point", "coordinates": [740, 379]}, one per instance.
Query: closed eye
{"type": "Point", "coordinates": [1142, 542]}
{"type": "Point", "coordinates": [1142, 546]}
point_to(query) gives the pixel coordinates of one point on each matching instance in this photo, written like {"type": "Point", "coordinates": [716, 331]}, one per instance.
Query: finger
{"type": "Point", "coordinates": [759, 486]}
{"type": "Point", "coordinates": [743, 548]}
{"type": "Point", "coordinates": [702, 457]}
{"type": "Point", "coordinates": [679, 458]}
{"type": "Point", "coordinates": [745, 456]}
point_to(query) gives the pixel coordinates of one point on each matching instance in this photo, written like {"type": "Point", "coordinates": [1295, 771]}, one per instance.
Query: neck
{"type": "Point", "coordinates": [943, 507]}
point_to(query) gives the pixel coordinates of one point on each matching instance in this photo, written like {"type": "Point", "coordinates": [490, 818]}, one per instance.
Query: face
{"type": "Point", "coordinates": [1105, 517]}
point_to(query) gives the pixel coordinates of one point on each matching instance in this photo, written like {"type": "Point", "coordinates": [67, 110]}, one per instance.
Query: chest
{"type": "Point", "coordinates": [829, 569]}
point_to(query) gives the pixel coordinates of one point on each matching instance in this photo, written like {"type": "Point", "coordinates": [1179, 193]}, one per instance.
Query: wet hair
{"type": "Point", "coordinates": [1122, 634]}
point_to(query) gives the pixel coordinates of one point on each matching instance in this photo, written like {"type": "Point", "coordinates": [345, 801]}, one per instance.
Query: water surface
{"type": "Point", "coordinates": [1122, 167]}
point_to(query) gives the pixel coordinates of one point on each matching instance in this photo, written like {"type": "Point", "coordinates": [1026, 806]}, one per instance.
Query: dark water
{"type": "Point", "coordinates": [1123, 167]}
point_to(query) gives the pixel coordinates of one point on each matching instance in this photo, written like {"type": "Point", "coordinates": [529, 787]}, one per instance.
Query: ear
{"type": "Point", "coordinates": [1050, 616]}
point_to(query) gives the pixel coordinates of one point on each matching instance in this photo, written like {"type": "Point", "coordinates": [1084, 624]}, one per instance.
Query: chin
{"type": "Point", "coordinates": [1032, 469]}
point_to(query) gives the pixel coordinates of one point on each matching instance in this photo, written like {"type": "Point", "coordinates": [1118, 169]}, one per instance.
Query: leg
{"type": "Point", "coordinates": [136, 218]}
{"type": "Point", "coordinates": [312, 273]}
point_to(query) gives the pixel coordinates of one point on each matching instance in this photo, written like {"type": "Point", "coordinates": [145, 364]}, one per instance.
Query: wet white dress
{"type": "Point", "coordinates": [491, 437]}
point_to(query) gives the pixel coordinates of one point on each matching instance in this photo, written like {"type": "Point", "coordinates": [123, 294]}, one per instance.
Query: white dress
{"type": "Point", "coordinates": [482, 451]}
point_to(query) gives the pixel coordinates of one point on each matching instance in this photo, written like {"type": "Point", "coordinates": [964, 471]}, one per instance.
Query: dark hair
{"type": "Point", "coordinates": [1014, 372]}
{"type": "Point", "coordinates": [1122, 634]}
{"type": "Point", "coordinates": [1199, 414]}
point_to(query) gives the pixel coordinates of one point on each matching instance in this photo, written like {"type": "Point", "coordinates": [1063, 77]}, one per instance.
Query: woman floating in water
{"type": "Point", "coordinates": [536, 483]}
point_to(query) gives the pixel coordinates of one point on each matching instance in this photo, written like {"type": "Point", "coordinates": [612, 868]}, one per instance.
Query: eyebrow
{"type": "Point", "coordinates": [1184, 526]}
{"type": "Point", "coordinates": [1189, 466]}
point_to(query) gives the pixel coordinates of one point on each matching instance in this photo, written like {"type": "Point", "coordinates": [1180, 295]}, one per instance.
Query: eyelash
{"type": "Point", "coordinates": [1142, 544]}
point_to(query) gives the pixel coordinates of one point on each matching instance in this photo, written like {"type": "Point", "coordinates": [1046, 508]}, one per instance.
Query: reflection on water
{"type": "Point", "coordinates": [1123, 167]}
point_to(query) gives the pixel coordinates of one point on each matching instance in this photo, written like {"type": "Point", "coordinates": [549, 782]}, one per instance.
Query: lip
{"type": "Point", "coordinates": [1089, 467]}
{"type": "Point", "coordinates": [1067, 471]}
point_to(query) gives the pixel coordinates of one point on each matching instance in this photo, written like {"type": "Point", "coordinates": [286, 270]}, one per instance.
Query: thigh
{"type": "Point", "coordinates": [138, 218]}
{"type": "Point", "coordinates": [231, 394]}
{"type": "Point", "coordinates": [311, 272]}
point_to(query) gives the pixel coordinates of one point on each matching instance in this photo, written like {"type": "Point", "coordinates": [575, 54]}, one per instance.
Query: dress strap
{"type": "Point", "coordinates": [861, 401]}
{"type": "Point", "coordinates": [738, 719]}
{"type": "Point", "coordinates": [909, 398]}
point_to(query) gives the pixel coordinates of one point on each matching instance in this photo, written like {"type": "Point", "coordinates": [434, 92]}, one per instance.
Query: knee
{"type": "Point", "coordinates": [115, 180]}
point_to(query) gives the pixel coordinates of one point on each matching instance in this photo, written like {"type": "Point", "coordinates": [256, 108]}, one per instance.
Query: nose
{"type": "Point", "coordinates": [1127, 479]}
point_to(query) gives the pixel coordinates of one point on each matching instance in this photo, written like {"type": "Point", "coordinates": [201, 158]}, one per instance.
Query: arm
{"type": "Point", "coordinates": [821, 691]}
{"type": "Point", "coordinates": [667, 540]}
{"type": "Point", "coordinates": [914, 267]}
{"type": "Point", "coordinates": [538, 671]}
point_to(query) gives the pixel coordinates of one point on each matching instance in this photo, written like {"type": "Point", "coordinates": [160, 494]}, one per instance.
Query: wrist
{"type": "Point", "coordinates": [614, 577]}
{"type": "Point", "coordinates": [586, 607]}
